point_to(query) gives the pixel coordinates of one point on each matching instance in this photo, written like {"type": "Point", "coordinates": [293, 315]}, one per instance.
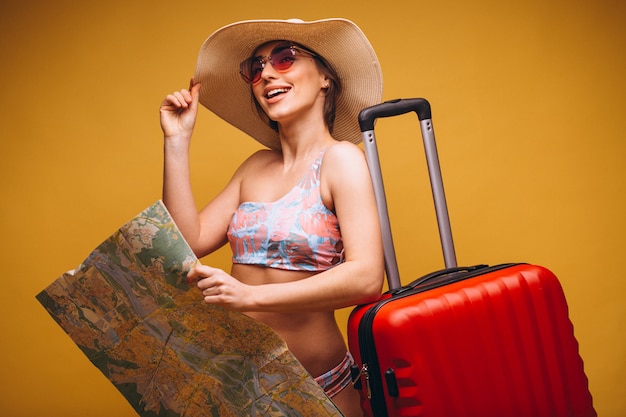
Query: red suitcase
{"type": "Point", "coordinates": [479, 341]}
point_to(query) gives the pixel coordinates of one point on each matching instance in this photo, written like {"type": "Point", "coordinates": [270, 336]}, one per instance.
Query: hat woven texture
{"type": "Point", "coordinates": [339, 41]}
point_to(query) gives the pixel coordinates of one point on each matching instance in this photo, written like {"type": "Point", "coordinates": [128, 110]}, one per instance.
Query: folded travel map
{"type": "Point", "coordinates": [130, 310]}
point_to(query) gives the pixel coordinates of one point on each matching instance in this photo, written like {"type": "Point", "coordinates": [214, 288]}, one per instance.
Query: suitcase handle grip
{"type": "Point", "coordinates": [390, 108]}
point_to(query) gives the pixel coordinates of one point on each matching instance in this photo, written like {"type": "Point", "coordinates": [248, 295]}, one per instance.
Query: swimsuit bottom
{"type": "Point", "coordinates": [335, 380]}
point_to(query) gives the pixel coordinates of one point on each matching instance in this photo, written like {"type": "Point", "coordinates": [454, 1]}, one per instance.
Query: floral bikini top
{"type": "Point", "coordinates": [296, 232]}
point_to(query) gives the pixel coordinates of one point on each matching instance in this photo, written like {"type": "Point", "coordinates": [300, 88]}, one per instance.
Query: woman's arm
{"type": "Point", "coordinates": [204, 231]}
{"type": "Point", "coordinates": [178, 113]}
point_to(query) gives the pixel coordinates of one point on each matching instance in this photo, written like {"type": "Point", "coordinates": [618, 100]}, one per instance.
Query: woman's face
{"type": "Point", "coordinates": [298, 91]}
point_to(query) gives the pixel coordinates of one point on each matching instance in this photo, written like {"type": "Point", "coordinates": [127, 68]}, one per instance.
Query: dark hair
{"type": "Point", "coordinates": [332, 93]}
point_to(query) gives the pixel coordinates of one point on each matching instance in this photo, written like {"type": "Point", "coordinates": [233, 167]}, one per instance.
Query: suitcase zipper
{"type": "Point", "coordinates": [366, 375]}
{"type": "Point", "coordinates": [371, 368]}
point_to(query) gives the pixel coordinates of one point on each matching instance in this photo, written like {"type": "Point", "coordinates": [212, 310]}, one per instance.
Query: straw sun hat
{"type": "Point", "coordinates": [339, 41]}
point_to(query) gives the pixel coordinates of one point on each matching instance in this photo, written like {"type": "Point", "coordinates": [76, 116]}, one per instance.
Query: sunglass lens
{"type": "Point", "coordinates": [255, 68]}
{"type": "Point", "coordinates": [282, 58]}
{"type": "Point", "coordinates": [251, 69]}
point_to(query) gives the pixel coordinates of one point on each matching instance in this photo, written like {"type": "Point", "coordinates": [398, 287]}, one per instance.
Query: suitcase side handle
{"type": "Point", "coordinates": [367, 117]}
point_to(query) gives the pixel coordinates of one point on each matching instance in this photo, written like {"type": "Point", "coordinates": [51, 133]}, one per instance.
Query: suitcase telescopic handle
{"type": "Point", "coordinates": [367, 118]}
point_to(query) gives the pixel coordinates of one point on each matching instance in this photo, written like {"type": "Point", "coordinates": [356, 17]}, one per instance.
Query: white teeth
{"type": "Point", "coordinates": [275, 92]}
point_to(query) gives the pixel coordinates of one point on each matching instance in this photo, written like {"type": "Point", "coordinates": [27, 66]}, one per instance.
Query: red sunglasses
{"type": "Point", "coordinates": [281, 58]}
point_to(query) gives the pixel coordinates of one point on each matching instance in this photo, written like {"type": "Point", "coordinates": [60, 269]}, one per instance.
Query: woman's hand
{"type": "Point", "coordinates": [220, 288]}
{"type": "Point", "coordinates": [179, 110]}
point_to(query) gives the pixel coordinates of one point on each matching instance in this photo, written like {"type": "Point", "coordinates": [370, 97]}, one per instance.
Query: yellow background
{"type": "Point", "coordinates": [528, 107]}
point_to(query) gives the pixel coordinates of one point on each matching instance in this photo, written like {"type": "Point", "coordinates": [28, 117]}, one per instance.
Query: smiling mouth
{"type": "Point", "coordinates": [276, 92]}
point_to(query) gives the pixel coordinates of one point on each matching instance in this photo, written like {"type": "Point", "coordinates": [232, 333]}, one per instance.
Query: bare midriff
{"type": "Point", "coordinates": [312, 336]}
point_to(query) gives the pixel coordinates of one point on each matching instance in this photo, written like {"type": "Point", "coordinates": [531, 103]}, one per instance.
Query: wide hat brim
{"type": "Point", "coordinates": [339, 41]}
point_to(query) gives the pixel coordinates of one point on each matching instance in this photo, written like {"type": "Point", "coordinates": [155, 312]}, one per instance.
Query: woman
{"type": "Point", "coordinates": [300, 216]}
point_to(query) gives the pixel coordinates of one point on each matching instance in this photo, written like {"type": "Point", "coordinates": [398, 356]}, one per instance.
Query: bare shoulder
{"type": "Point", "coordinates": [345, 159]}
{"type": "Point", "coordinates": [344, 156]}
{"type": "Point", "coordinates": [261, 157]}
{"type": "Point", "coordinates": [344, 176]}
{"type": "Point", "coordinates": [258, 159]}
